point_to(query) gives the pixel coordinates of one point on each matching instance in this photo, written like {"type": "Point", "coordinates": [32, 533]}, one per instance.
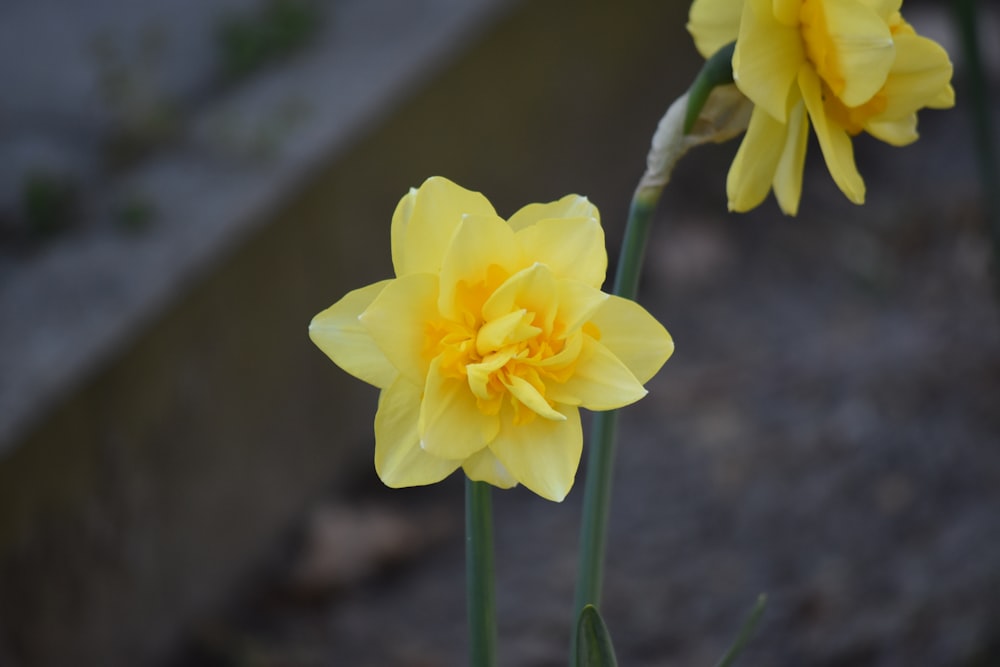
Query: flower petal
{"type": "Point", "coordinates": [787, 12]}
{"type": "Point", "coordinates": [425, 220]}
{"type": "Point", "coordinates": [752, 172]}
{"type": "Point", "coordinates": [886, 9]}
{"type": "Point", "coordinates": [397, 320]}
{"type": "Point", "coordinates": [338, 332]}
{"type": "Point", "coordinates": [921, 72]}
{"type": "Point", "coordinates": [895, 132]}
{"type": "Point", "coordinates": [833, 140]}
{"type": "Point", "coordinates": [600, 381]}
{"type": "Point", "coordinates": [451, 424]}
{"type": "Point", "coordinates": [570, 206]}
{"type": "Point", "coordinates": [541, 454]}
{"type": "Point", "coordinates": [713, 24]}
{"type": "Point", "coordinates": [767, 59]}
{"type": "Point", "coordinates": [572, 248]}
{"type": "Point", "coordinates": [397, 230]}
{"type": "Point", "coordinates": [512, 328]}
{"type": "Point", "coordinates": [481, 247]}
{"type": "Point", "coordinates": [526, 393]}
{"type": "Point", "coordinates": [943, 100]}
{"type": "Point", "coordinates": [480, 374]}
{"type": "Point", "coordinates": [862, 49]}
{"type": "Point", "coordinates": [633, 336]}
{"type": "Point", "coordinates": [533, 289]}
{"type": "Point", "coordinates": [788, 175]}
{"type": "Point", "coordinates": [484, 466]}
{"type": "Point", "coordinates": [577, 304]}
{"type": "Point", "coordinates": [399, 460]}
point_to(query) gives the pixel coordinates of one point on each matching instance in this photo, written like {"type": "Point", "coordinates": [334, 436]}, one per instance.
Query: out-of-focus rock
{"type": "Point", "coordinates": [345, 545]}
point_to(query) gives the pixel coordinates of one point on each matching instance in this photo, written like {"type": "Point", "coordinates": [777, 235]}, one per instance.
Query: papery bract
{"type": "Point", "coordinates": [489, 339]}
{"type": "Point", "coordinates": [842, 66]}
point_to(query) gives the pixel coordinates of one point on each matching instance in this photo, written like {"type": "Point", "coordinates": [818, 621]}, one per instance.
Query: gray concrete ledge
{"type": "Point", "coordinates": [66, 310]}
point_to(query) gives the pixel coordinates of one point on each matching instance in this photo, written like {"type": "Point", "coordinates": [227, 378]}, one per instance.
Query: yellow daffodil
{"type": "Point", "coordinates": [489, 339]}
{"type": "Point", "coordinates": [843, 66]}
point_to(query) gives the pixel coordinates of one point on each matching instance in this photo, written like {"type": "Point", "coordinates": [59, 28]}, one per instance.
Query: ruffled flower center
{"type": "Point", "coordinates": [507, 347]}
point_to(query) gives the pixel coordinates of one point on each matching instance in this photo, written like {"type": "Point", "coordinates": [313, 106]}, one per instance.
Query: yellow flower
{"type": "Point", "coordinates": [845, 66]}
{"type": "Point", "coordinates": [489, 339]}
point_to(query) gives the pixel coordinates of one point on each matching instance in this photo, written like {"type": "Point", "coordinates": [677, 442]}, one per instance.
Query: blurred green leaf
{"type": "Point", "coordinates": [593, 642]}
{"type": "Point", "coordinates": [49, 202]}
{"type": "Point", "coordinates": [746, 632]}
{"type": "Point", "coordinates": [248, 42]}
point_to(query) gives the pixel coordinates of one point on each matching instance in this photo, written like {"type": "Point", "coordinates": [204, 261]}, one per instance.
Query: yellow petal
{"type": "Point", "coordinates": [943, 100]}
{"type": "Point", "coordinates": [338, 332]}
{"type": "Point", "coordinates": [397, 320]}
{"type": "Point", "coordinates": [524, 392]}
{"type": "Point", "coordinates": [425, 221]}
{"type": "Point", "coordinates": [479, 374]}
{"type": "Point", "coordinates": [570, 206]}
{"type": "Point", "coordinates": [713, 24]}
{"type": "Point", "coordinates": [397, 230]}
{"type": "Point", "coordinates": [484, 466]}
{"type": "Point", "coordinates": [885, 9]}
{"type": "Point", "coordinates": [572, 248]}
{"type": "Point", "coordinates": [399, 460]}
{"type": "Point", "coordinates": [577, 304]}
{"type": "Point", "coordinates": [767, 59]}
{"type": "Point", "coordinates": [562, 362]}
{"type": "Point", "coordinates": [514, 327]}
{"type": "Point", "coordinates": [838, 152]}
{"type": "Point", "coordinates": [788, 175]}
{"type": "Point", "coordinates": [479, 246]}
{"type": "Point", "coordinates": [600, 381]}
{"type": "Point", "coordinates": [786, 12]}
{"type": "Point", "coordinates": [451, 425]}
{"type": "Point", "coordinates": [756, 162]}
{"type": "Point", "coordinates": [920, 75]}
{"type": "Point", "coordinates": [633, 336]}
{"type": "Point", "coordinates": [862, 48]}
{"type": "Point", "coordinates": [532, 289]}
{"type": "Point", "coordinates": [895, 132]}
{"type": "Point", "coordinates": [541, 454]}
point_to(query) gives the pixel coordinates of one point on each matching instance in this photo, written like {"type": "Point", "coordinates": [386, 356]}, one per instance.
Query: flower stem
{"type": "Point", "coordinates": [719, 115]}
{"type": "Point", "coordinates": [479, 574]}
{"type": "Point", "coordinates": [980, 108]}
{"type": "Point", "coordinates": [634, 243]}
{"type": "Point", "coordinates": [600, 461]}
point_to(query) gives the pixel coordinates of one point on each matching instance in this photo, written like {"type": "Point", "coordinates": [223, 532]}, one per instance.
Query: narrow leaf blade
{"type": "Point", "coordinates": [746, 632]}
{"type": "Point", "coordinates": [593, 641]}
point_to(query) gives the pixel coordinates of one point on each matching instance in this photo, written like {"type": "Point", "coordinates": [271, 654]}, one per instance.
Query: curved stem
{"type": "Point", "coordinates": [479, 574]}
{"type": "Point", "coordinates": [600, 460]}
{"type": "Point", "coordinates": [720, 114]}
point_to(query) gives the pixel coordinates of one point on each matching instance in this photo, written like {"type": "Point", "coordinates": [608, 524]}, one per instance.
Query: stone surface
{"type": "Point", "coordinates": [68, 306]}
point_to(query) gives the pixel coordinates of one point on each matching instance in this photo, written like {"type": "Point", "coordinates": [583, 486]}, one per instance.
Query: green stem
{"type": "Point", "coordinates": [600, 460]}
{"type": "Point", "coordinates": [980, 107]}
{"type": "Point", "coordinates": [633, 251]}
{"type": "Point", "coordinates": [479, 574]}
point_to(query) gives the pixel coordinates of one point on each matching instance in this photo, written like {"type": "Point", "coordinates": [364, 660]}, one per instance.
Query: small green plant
{"type": "Point", "coordinates": [248, 42]}
{"type": "Point", "coordinates": [135, 213]}
{"type": "Point", "coordinates": [48, 202]}
{"type": "Point", "coordinates": [144, 116]}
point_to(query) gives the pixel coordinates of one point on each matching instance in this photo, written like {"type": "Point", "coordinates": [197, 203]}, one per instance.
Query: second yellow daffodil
{"type": "Point", "coordinates": [841, 66]}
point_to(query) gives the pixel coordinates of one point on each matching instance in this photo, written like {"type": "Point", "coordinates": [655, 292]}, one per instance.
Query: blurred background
{"type": "Point", "coordinates": [186, 480]}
